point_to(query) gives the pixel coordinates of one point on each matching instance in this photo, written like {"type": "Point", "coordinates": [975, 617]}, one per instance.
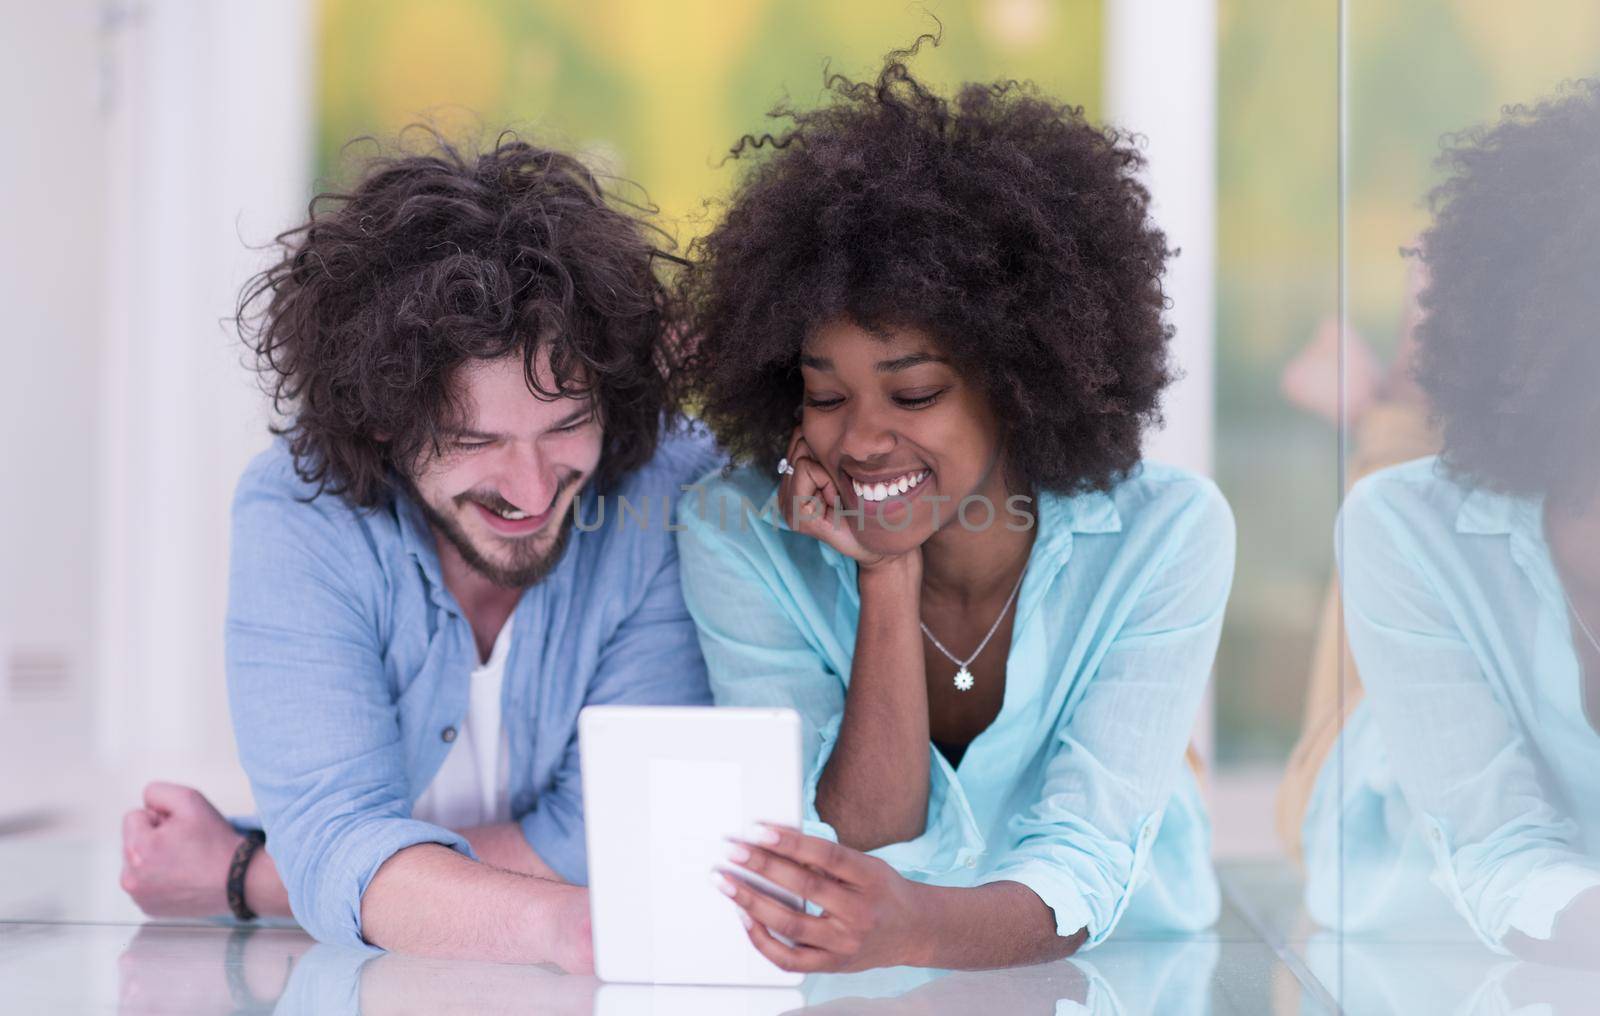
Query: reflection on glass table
{"type": "Point", "coordinates": [202, 970]}
{"type": "Point", "coordinates": [175, 969]}
{"type": "Point", "coordinates": [1261, 958]}
{"type": "Point", "coordinates": [1415, 978]}
{"type": "Point", "coordinates": [165, 969]}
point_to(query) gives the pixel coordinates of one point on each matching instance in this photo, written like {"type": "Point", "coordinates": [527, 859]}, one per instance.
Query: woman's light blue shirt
{"type": "Point", "coordinates": [1469, 763]}
{"type": "Point", "coordinates": [1078, 788]}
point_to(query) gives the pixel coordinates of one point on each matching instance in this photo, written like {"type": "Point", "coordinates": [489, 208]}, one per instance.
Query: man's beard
{"type": "Point", "coordinates": [529, 565]}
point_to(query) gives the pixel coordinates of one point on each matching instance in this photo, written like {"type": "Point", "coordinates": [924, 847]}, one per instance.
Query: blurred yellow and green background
{"type": "Point", "coordinates": [658, 92]}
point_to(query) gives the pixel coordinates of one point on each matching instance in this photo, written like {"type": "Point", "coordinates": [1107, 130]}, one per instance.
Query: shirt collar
{"type": "Point", "coordinates": [1520, 518]}
{"type": "Point", "coordinates": [1484, 513]}
{"type": "Point", "coordinates": [416, 536]}
{"type": "Point", "coordinates": [1061, 516]}
{"type": "Point", "coordinates": [1487, 512]}
{"type": "Point", "coordinates": [1091, 512]}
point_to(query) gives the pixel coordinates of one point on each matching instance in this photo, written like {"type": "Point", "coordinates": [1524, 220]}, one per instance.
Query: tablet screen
{"type": "Point", "coordinates": [664, 788]}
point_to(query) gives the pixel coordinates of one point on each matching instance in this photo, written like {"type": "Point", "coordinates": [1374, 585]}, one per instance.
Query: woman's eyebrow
{"type": "Point", "coordinates": [903, 362]}
{"type": "Point", "coordinates": [881, 367]}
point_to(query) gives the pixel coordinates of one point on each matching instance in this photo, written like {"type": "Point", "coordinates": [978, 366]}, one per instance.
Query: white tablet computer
{"type": "Point", "coordinates": [663, 788]}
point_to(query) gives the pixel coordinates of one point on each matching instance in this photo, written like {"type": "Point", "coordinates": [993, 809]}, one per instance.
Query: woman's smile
{"type": "Point", "coordinates": [883, 486]}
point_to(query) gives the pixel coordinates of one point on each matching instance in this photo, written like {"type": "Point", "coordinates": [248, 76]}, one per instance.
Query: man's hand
{"type": "Point", "coordinates": [175, 853]}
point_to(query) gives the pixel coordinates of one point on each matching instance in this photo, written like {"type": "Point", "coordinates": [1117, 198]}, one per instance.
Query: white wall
{"type": "Point", "coordinates": [209, 145]}
{"type": "Point", "coordinates": [52, 205]}
{"type": "Point", "coordinates": [147, 144]}
{"type": "Point", "coordinates": [1160, 65]}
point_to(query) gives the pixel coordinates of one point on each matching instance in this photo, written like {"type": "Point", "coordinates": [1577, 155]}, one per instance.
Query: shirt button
{"type": "Point", "coordinates": [972, 862]}
{"type": "Point", "coordinates": [447, 735]}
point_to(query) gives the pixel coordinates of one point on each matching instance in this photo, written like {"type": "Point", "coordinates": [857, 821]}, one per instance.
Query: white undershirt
{"type": "Point", "coordinates": [472, 787]}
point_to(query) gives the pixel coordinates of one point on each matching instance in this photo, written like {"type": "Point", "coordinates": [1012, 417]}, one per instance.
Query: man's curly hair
{"type": "Point", "coordinates": [439, 256]}
{"type": "Point", "coordinates": [1006, 226]}
{"type": "Point", "coordinates": [1508, 347]}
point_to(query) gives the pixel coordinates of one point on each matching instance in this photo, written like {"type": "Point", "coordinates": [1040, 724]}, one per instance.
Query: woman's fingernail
{"type": "Point", "coordinates": [744, 919]}
{"type": "Point", "coordinates": [764, 835]}
{"type": "Point", "coordinates": [738, 853]}
{"type": "Point", "coordinates": [723, 884]}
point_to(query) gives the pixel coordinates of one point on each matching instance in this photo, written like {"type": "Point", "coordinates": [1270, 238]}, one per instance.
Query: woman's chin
{"type": "Point", "coordinates": [889, 542]}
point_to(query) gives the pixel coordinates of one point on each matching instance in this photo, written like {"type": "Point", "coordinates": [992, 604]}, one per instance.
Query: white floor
{"type": "Point", "coordinates": [70, 942]}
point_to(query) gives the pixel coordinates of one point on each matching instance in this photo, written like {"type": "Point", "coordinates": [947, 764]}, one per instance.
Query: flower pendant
{"type": "Point", "coordinates": [963, 679]}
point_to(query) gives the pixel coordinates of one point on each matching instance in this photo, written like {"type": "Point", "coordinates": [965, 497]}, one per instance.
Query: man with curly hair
{"type": "Point", "coordinates": [1463, 784]}
{"type": "Point", "coordinates": [470, 350]}
{"type": "Point", "coordinates": [933, 329]}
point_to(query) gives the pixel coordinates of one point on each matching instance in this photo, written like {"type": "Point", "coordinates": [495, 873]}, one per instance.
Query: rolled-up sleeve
{"type": "Point", "coordinates": [1504, 853]}
{"type": "Point", "coordinates": [1084, 846]}
{"type": "Point", "coordinates": [317, 726]}
{"type": "Point", "coordinates": [757, 655]}
{"type": "Point", "coordinates": [653, 658]}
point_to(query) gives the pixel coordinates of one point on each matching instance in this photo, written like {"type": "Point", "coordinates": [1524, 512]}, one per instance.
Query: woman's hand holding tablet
{"type": "Point", "coordinates": [872, 916]}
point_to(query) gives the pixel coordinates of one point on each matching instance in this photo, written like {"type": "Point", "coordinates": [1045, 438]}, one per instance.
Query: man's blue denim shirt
{"type": "Point", "coordinates": [348, 661]}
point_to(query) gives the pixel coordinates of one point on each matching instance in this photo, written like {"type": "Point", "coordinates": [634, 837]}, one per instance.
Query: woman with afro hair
{"type": "Point", "coordinates": [1465, 781]}
{"type": "Point", "coordinates": [930, 333]}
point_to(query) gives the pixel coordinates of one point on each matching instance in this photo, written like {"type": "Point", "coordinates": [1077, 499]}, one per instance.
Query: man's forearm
{"type": "Point", "coordinates": [1000, 924]}
{"type": "Point", "coordinates": [504, 846]}
{"type": "Point", "coordinates": [429, 900]}
{"type": "Point", "coordinates": [874, 788]}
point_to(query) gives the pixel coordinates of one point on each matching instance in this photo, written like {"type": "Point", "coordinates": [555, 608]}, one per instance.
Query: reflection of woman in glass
{"type": "Point", "coordinates": [1472, 580]}
{"type": "Point", "coordinates": [940, 322]}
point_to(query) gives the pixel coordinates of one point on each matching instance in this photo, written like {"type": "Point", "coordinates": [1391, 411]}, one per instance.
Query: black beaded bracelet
{"type": "Point", "coordinates": [236, 870]}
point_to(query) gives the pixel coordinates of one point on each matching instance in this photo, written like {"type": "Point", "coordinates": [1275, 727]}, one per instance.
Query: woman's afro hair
{"type": "Point", "coordinates": [1507, 347]}
{"type": "Point", "coordinates": [1004, 225]}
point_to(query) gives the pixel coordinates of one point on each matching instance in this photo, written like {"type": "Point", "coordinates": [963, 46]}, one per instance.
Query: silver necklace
{"type": "Point", "coordinates": [1583, 687]}
{"type": "Point", "coordinates": [1582, 624]}
{"type": "Point", "coordinates": [963, 675]}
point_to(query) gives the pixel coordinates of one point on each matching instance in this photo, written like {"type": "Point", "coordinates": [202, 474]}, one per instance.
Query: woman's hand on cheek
{"type": "Point", "coordinates": [870, 913]}
{"type": "Point", "coordinates": [809, 501]}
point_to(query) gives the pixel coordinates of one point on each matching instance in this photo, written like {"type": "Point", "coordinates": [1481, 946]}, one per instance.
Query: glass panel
{"type": "Point", "coordinates": [1453, 839]}
{"type": "Point", "coordinates": [1277, 460]}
